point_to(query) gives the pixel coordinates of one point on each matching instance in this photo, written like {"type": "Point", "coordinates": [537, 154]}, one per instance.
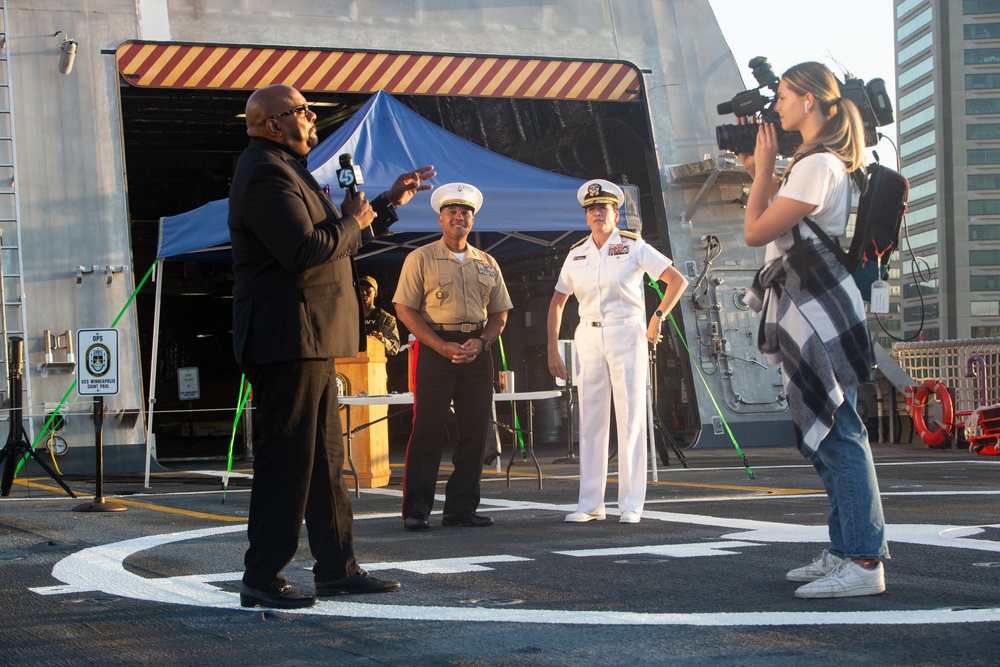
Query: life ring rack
{"type": "Point", "coordinates": [947, 423]}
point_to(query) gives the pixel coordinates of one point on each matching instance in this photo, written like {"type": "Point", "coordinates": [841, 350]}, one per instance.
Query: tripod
{"type": "Point", "coordinates": [658, 427]}
{"type": "Point", "coordinates": [18, 449]}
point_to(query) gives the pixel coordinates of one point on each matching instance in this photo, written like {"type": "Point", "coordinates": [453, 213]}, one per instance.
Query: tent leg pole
{"type": "Point", "coordinates": [157, 277]}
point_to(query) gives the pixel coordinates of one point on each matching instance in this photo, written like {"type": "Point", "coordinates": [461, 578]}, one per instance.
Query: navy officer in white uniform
{"type": "Point", "coordinates": [605, 273]}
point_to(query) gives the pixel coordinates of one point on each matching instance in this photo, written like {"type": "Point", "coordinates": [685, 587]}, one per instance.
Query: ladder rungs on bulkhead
{"type": "Point", "coordinates": [13, 320]}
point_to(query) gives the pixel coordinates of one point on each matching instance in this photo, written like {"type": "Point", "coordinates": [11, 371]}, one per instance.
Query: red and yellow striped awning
{"type": "Point", "coordinates": [210, 67]}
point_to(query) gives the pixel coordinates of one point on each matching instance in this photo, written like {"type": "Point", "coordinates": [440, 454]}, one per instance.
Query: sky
{"type": "Point", "coordinates": [852, 35]}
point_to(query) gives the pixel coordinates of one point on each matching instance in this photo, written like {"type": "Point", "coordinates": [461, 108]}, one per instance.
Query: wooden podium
{"type": "Point", "coordinates": [370, 445]}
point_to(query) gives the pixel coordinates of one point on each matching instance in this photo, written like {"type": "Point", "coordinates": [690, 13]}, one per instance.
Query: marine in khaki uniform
{"type": "Point", "coordinates": [452, 297]}
{"type": "Point", "coordinates": [605, 273]}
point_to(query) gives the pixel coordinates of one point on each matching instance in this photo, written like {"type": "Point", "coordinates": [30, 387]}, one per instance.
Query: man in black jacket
{"type": "Point", "coordinates": [296, 306]}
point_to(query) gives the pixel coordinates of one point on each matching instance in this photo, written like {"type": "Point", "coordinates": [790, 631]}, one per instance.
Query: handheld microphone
{"type": "Point", "coordinates": [349, 175]}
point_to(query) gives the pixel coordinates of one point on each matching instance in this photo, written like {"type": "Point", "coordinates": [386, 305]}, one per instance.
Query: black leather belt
{"type": "Point", "coordinates": [464, 327]}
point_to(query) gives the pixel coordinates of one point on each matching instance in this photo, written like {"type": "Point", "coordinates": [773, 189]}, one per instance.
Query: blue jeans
{"type": "Point", "coordinates": [844, 463]}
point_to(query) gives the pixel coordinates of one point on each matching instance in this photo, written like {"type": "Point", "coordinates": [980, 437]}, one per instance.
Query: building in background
{"type": "Point", "coordinates": [948, 120]}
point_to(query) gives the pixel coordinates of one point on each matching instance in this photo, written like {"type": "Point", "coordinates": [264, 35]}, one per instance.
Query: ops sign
{"type": "Point", "coordinates": [97, 371]}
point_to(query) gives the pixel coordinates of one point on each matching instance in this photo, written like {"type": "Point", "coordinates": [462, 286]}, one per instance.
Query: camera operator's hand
{"type": "Point", "coordinates": [746, 159]}
{"type": "Point", "coordinates": [766, 152]}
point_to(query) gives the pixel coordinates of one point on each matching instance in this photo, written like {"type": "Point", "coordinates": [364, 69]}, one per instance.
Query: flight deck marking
{"type": "Point", "coordinates": [102, 569]}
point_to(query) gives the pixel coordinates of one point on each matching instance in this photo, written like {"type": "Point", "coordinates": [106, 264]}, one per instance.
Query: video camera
{"type": "Point", "coordinates": [872, 101]}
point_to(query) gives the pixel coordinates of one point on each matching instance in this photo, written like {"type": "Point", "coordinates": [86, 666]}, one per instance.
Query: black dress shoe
{"type": "Point", "coordinates": [284, 597]}
{"type": "Point", "coordinates": [362, 582]}
{"type": "Point", "coordinates": [472, 521]}
{"type": "Point", "coordinates": [491, 457]}
{"type": "Point", "coordinates": [416, 521]}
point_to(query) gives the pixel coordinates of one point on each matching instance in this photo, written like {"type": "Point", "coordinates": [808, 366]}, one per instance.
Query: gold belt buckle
{"type": "Point", "coordinates": [596, 324]}
{"type": "Point", "coordinates": [466, 327]}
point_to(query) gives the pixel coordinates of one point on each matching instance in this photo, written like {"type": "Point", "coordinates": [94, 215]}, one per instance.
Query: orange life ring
{"type": "Point", "coordinates": [933, 438]}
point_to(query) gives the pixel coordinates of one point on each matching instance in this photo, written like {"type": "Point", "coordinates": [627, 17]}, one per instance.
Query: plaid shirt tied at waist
{"type": "Point", "coordinates": [812, 323]}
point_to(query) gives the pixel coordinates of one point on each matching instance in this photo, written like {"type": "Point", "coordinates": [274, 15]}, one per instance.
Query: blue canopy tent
{"type": "Point", "coordinates": [524, 208]}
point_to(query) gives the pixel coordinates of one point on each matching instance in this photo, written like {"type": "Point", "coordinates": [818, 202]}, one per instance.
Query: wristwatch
{"type": "Point", "coordinates": [659, 314]}
{"type": "Point", "coordinates": [486, 343]}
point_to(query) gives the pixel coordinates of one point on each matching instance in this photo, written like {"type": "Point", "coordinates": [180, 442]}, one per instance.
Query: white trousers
{"type": "Point", "coordinates": [615, 358]}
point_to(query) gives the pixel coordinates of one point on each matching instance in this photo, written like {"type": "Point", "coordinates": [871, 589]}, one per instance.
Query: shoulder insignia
{"type": "Point", "coordinates": [580, 242]}
{"type": "Point", "coordinates": [626, 234]}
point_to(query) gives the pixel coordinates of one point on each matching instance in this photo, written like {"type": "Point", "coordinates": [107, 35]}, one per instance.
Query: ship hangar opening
{"type": "Point", "coordinates": [181, 147]}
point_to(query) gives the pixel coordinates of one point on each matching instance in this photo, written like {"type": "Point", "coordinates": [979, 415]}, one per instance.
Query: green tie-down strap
{"type": "Point", "coordinates": [240, 404]}
{"type": "Point", "coordinates": [718, 410]}
{"type": "Point", "coordinates": [513, 407]}
{"type": "Point", "coordinates": [54, 415]}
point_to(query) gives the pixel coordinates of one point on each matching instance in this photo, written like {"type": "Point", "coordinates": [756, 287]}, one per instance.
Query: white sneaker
{"type": "Point", "coordinates": [629, 517]}
{"type": "Point", "coordinates": [847, 580]}
{"type": "Point", "coordinates": [822, 565]}
{"type": "Point", "coordinates": [582, 517]}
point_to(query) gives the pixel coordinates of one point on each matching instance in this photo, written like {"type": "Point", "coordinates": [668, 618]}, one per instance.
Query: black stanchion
{"type": "Point", "coordinates": [99, 504]}
{"type": "Point", "coordinates": [567, 355]}
{"type": "Point", "coordinates": [570, 427]}
{"type": "Point", "coordinates": [658, 427]}
{"type": "Point", "coordinates": [18, 448]}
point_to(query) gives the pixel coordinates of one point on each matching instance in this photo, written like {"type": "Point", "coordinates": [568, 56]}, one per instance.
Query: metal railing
{"type": "Point", "coordinates": [970, 367]}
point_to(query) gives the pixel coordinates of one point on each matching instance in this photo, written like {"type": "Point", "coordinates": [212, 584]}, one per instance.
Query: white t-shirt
{"type": "Point", "coordinates": [820, 180]}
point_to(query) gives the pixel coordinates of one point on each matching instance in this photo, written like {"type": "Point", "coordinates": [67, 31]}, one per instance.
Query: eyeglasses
{"type": "Point", "coordinates": [301, 111]}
